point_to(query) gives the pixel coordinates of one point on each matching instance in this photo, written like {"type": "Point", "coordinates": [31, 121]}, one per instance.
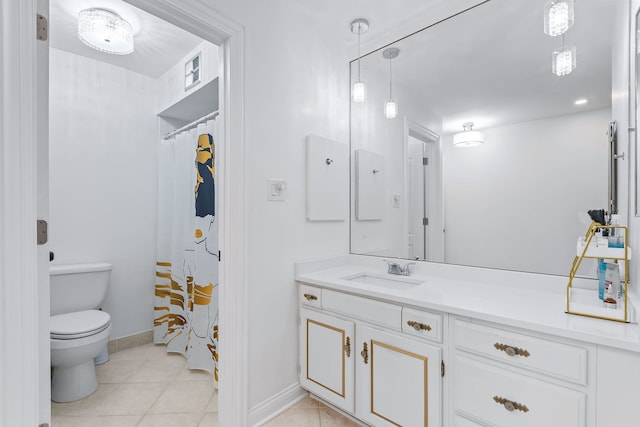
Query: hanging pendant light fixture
{"type": "Point", "coordinates": [468, 137]}
{"type": "Point", "coordinates": [391, 106]}
{"type": "Point", "coordinates": [105, 31]}
{"type": "Point", "coordinates": [359, 27]}
{"type": "Point", "coordinates": [563, 61]}
{"type": "Point", "coordinates": [558, 17]}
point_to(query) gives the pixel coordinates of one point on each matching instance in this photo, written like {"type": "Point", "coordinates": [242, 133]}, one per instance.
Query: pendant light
{"type": "Point", "coordinates": [563, 61]}
{"type": "Point", "coordinates": [359, 26]}
{"type": "Point", "coordinates": [468, 137]}
{"type": "Point", "coordinates": [391, 106]}
{"type": "Point", "coordinates": [558, 17]}
{"type": "Point", "coordinates": [105, 31]}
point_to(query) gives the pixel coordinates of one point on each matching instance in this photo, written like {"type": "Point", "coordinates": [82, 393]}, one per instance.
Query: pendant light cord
{"type": "Point", "coordinates": [359, 31]}
{"type": "Point", "coordinates": [390, 79]}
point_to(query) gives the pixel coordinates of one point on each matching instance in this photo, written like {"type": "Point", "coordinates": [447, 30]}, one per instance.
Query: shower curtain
{"type": "Point", "coordinates": [186, 292]}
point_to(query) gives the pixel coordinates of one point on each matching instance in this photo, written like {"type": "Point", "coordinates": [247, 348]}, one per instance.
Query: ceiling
{"type": "Point", "coordinates": [492, 65]}
{"type": "Point", "coordinates": [158, 44]}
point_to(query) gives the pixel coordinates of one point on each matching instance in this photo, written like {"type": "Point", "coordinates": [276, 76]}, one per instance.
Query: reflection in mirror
{"type": "Point", "coordinates": [518, 201]}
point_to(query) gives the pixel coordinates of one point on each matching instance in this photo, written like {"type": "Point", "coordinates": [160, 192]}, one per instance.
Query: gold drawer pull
{"type": "Point", "coordinates": [347, 347]}
{"type": "Point", "coordinates": [310, 297]}
{"type": "Point", "coordinates": [418, 326]}
{"type": "Point", "coordinates": [510, 405]}
{"type": "Point", "coordinates": [365, 353]}
{"type": "Point", "coordinates": [512, 351]}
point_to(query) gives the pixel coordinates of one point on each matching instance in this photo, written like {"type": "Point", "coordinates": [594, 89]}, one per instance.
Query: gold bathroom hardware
{"type": "Point", "coordinates": [512, 351]}
{"type": "Point", "coordinates": [418, 326]}
{"type": "Point", "coordinates": [365, 353]}
{"type": "Point", "coordinates": [310, 297]}
{"type": "Point", "coordinates": [347, 347]}
{"type": "Point", "coordinates": [584, 302]}
{"type": "Point", "coordinates": [510, 405]}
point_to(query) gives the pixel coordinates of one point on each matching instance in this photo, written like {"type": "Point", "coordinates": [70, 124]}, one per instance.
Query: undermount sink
{"type": "Point", "coordinates": [386, 281]}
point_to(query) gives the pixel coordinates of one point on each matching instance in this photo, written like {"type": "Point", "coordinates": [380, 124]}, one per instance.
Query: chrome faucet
{"type": "Point", "coordinates": [397, 268]}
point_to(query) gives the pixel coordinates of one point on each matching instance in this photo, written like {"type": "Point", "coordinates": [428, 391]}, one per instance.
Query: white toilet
{"type": "Point", "coordinates": [79, 332]}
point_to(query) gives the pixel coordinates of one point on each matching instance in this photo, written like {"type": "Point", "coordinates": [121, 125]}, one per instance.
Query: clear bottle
{"type": "Point", "coordinates": [616, 235]}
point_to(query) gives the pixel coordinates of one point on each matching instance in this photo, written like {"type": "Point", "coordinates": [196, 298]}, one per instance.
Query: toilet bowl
{"type": "Point", "coordinates": [76, 339]}
{"type": "Point", "coordinates": [78, 332]}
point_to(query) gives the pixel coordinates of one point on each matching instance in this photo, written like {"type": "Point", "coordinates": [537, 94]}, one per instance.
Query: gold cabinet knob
{"type": "Point", "coordinates": [310, 297]}
{"type": "Point", "coordinates": [511, 351]}
{"type": "Point", "coordinates": [510, 405]}
{"type": "Point", "coordinates": [418, 326]}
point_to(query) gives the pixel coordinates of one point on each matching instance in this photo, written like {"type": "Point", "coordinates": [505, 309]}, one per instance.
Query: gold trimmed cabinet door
{"type": "Point", "coordinates": [398, 380]}
{"type": "Point", "coordinates": [326, 358]}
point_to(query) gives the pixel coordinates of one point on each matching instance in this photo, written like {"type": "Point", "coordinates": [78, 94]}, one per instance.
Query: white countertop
{"type": "Point", "coordinates": [523, 300]}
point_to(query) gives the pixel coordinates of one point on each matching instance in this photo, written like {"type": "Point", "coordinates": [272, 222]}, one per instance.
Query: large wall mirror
{"type": "Point", "coordinates": [520, 200]}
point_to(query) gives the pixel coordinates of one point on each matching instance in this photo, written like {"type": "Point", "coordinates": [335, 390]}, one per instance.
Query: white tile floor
{"type": "Point", "coordinates": [147, 387]}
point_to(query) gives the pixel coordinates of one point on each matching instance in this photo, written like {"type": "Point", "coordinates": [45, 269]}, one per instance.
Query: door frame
{"type": "Point", "coordinates": [203, 21]}
{"type": "Point", "coordinates": [436, 196]}
{"type": "Point", "coordinates": [20, 402]}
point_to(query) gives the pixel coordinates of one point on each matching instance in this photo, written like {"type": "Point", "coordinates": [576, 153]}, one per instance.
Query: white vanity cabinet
{"type": "Point", "coordinates": [398, 380]}
{"type": "Point", "coordinates": [355, 355]}
{"type": "Point", "coordinates": [505, 378]}
{"type": "Point", "coordinates": [326, 359]}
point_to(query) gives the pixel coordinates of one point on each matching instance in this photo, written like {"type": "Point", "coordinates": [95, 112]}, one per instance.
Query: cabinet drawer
{"type": "Point", "coordinates": [563, 361]}
{"type": "Point", "coordinates": [308, 295]}
{"type": "Point", "coordinates": [464, 422]}
{"type": "Point", "coordinates": [503, 398]}
{"type": "Point", "coordinates": [381, 313]}
{"type": "Point", "coordinates": [421, 323]}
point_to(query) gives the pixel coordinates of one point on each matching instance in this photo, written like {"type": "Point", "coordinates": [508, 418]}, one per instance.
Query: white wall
{"type": "Point", "coordinates": [523, 178]}
{"type": "Point", "coordinates": [103, 157]}
{"type": "Point", "coordinates": [296, 83]}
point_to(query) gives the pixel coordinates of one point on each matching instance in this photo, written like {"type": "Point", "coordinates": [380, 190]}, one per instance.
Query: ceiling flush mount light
{"type": "Point", "coordinates": [468, 137]}
{"type": "Point", "coordinates": [359, 27]}
{"type": "Point", "coordinates": [105, 31]}
{"type": "Point", "coordinates": [558, 17]}
{"type": "Point", "coordinates": [391, 106]}
{"type": "Point", "coordinates": [564, 61]}
{"type": "Point", "coordinates": [581, 101]}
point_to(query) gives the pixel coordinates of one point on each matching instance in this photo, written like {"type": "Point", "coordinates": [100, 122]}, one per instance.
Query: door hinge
{"type": "Point", "coordinates": [219, 256]}
{"type": "Point", "coordinates": [425, 161]}
{"type": "Point", "coordinates": [425, 221]}
{"type": "Point", "coordinates": [42, 28]}
{"type": "Point", "coordinates": [442, 368]}
{"type": "Point", "coordinates": [41, 232]}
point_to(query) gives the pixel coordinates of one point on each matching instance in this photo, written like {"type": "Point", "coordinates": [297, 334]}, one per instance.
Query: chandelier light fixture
{"type": "Point", "coordinates": [390, 106]}
{"type": "Point", "coordinates": [468, 137]}
{"type": "Point", "coordinates": [563, 61]}
{"type": "Point", "coordinates": [105, 31]}
{"type": "Point", "coordinates": [359, 26]}
{"type": "Point", "coordinates": [558, 17]}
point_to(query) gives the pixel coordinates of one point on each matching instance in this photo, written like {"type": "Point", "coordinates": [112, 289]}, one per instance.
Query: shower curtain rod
{"type": "Point", "coordinates": [191, 125]}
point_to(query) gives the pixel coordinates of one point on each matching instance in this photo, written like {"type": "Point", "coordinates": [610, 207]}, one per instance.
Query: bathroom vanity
{"type": "Point", "coordinates": [460, 346]}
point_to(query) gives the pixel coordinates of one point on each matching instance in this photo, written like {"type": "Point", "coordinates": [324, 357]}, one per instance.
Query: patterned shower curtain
{"type": "Point", "coordinates": [186, 294]}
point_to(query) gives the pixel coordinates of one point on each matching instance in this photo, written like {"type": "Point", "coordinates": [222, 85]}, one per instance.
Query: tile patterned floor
{"type": "Point", "coordinates": [147, 387]}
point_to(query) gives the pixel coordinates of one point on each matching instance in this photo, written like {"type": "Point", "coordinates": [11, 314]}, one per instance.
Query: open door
{"type": "Point", "coordinates": [42, 208]}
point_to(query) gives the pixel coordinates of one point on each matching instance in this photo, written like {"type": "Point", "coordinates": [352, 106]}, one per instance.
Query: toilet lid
{"type": "Point", "coordinates": [79, 323]}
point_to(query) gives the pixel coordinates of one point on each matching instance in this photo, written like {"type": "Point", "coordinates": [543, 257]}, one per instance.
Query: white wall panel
{"type": "Point", "coordinates": [103, 156]}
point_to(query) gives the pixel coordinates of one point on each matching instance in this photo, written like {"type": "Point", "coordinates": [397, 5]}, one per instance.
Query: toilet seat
{"type": "Point", "coordinates": [78, 324]}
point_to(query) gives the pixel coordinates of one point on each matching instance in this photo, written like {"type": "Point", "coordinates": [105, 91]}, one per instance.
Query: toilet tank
{"type": "Point", "coordinates": [76, 287]}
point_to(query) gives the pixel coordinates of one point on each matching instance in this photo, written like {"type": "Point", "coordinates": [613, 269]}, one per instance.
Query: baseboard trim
{"type": "Point", "coordinates": [275, 405]}
{"type": "Point", "coordinates": [131, 341]}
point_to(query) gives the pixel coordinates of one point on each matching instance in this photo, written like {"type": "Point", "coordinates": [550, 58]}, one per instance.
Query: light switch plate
{"type": "Point", "coordinates": [276, 189]}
